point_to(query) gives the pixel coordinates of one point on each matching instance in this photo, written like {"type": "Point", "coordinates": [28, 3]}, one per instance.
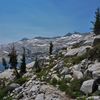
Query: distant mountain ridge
{"type": "Point", "coordinates": [68, 34]}
{"type": "Point", "coordinates": [41, 44]}
{"type": "Point", "coordinates": [40, 37]}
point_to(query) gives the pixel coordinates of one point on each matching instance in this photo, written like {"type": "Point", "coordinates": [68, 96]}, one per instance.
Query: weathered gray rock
{"type": "Point", "coordinates": [18, 89]}
{"type": "Point", "coordinates": [55, 76]}
{"type": "Point", "coordinates": [94, 67]}
{"type": "Point", "coordinates": [83, 50]}
{"type": "Point", "coordinates": [93, 98]}
{"type": "Point", "coordinates": [76, 67]}
{"type": "Point", "coordinates": [64, 71]}
{"type": "Point", "coordinates": [35, 88]}
{"type": "Point", "coordinates": [68, 76]}
{"type": "Point", "coordinates": [83, 66]}
{"type": "Point", "coordinates": [8, 74]}
{"type": "Point", "coordinates": [40, 97]}
{"type": "Point", "coordinates": [77, 51]}
{"type": "Point", "coordinates": [89, 39]}
{"type": "Point", "coordinates": [72, 52]}
{"type": "Point", "coordinates": [60, 65]}
{"type": "Point", "coordinates": [87, 86]}
{"type": "Point", "coordinates": [12, 86]}
{"type": "Point", "coordinates": [18, 96]}
{"type": "Point", "coordinates": [77, 74]}
{"type": "Point", "coordinates": [96, 74]}
{"type": "Point", "coordinates": [28, 83]}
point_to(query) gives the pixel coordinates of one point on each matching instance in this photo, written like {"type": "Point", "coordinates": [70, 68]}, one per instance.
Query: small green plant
{"type": "Point", "coordinates": [3, 92]}
{"type": "Point", "coordinates": [54, 81]}
{"type": "Point", "coordinates": [75, 88]}
{"type": "Point", "coordinates": [81, 98]}
{"type": "Point", "coordinates": [69, 61]}
{"type": "Point", "coordinates": [96, 93]}
{"type": "Point", "coordinates": [78, 59]}
{"type": "Point", "coordinates": [21, 80]}
{"type": "Point", "coordinates": [62, 85]}
{"type": "Point", "coordinates": [94, 53]}
{"type": "Point", "coordinates": [41, 74]}
{"type": "Point", "coordinates": [90, 99]}
{"type": "Point", "coordinates": [8, 98]}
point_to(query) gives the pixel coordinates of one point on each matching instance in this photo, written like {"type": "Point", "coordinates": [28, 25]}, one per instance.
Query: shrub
{"type": "Point", "coordinates": [21, 80]}
{"type": "Point", "coordinates": [94, 53]}
{"type": "Point", "coordinates": [81, 98]}
{"type": "Point", "coordinates": [74, 89]}
{"type": "Point", "coordinates": [54, 81]}
{"type": "Point", "coordinates": [8, 98]}
{"type": "Point", "coordinates": [78, 59]}
{"type": "Point", "coordinates": [69, 61]}
{"type": "Point", "coordinates": [42, 73]}
{"type": "Point", "coordinates": [96, 41]}
{"type": "Point", "coordinates": [62, 85]}
{"type": "Point", "coordinates": [3, 92]}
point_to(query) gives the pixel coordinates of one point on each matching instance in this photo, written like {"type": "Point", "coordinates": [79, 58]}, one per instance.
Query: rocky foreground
{"type": "Point", "coordinates": [73, 73]}
{"type": "Point", "coordinates": [36, 90]}
{"type": "Point", "coordinates": [32, 89]}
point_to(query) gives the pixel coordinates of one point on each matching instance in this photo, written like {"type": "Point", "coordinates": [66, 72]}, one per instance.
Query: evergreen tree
{"type": "Point", "coordinates": [96, 28]}
{"type": "Point", "coordinates": [36, 65]}
{"type": "Point", "coordinates": [13, 61]}
{"type": "Point", "coordinates": [50, 48]}
{"type": "Point", "coordinates": [4, 63]}
{"type": "Point", "coordinates": [23, 64]}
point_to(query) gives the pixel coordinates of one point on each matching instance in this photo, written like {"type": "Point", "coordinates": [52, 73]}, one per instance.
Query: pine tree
{"type": "Point", "coordinates": [50, 48]}
{"type": "Point", "coordinates": [13, 61]}
{"type": "Point", "coordinates": [4, 63]}
{"type": "Point", "coordinates": [36, 65]}
{"type": "Point", "coordinates": [23, 64]}
{"type": "Point", "coordinates": [96, 24]}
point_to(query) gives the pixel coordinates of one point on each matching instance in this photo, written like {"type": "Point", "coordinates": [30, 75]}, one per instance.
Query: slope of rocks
{"type": "Point", "coordinates": [67, 74]}
{"type": "Point", "coordinates": [36, 90]}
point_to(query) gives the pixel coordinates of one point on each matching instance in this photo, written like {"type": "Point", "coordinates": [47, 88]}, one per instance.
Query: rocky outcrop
{"type": "Point", "coordinates": [77, 74]}
{"type": "Point", "coordinates": [90, 86]}
{"type": "Point", "coordinates": [87, 86]}
{"type": "Point", "coordinates": [56, 70]}
{"type": "Point", "coordinates": [77, 51]}
{"type": "Point", "coordinates": [36, 90]}
{"type": "Point", "coordinates": [12, 86]}
{"type": "Point", "coordinates": [95, 69]}
{"type": "Point", "coordinates": [8, 74]}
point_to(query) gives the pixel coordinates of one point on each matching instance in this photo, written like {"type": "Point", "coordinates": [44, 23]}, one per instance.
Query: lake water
{"type": "Point", "coordinates": [1, 68]}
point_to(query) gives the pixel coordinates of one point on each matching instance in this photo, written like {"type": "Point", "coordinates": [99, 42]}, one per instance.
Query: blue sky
{"type": "Point", "coordinates": [30, 18]}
